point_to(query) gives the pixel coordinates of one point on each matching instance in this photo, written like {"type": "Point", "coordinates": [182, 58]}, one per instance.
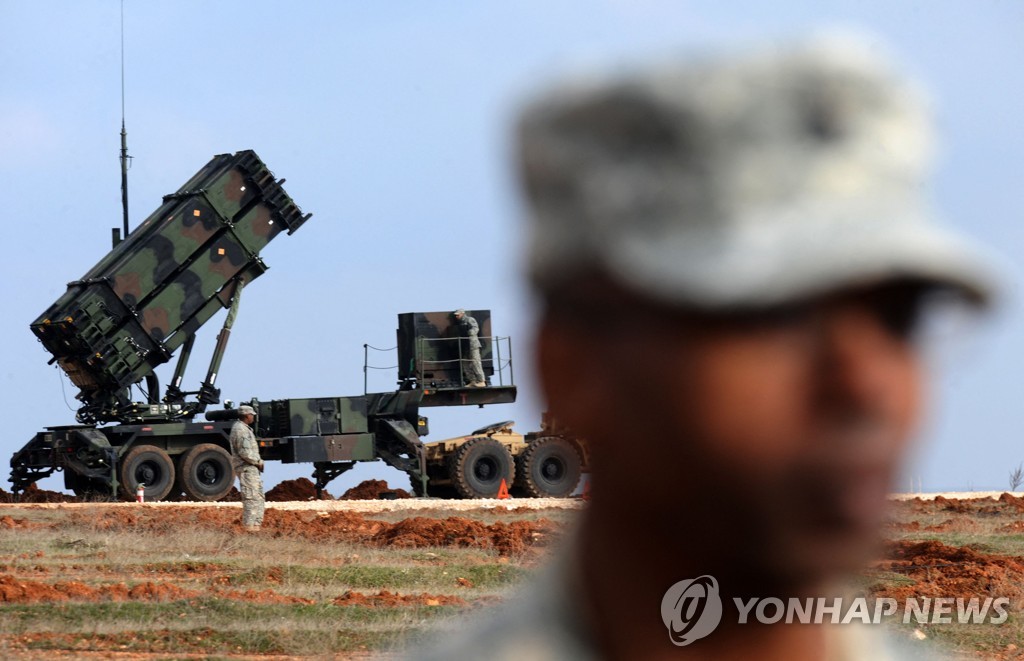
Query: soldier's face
{"type": "Point", "coordinates": [780, 433]}
{"type": "Point", "coordinates": [248, 418]}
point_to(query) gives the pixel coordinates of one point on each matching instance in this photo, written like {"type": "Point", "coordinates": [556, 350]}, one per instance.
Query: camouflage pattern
{"type": "Point", "coordinates": [306, 417]}
{"type": "Point", "coordinates": [469, 330]}
{"type": "Point", "coordinates": [472, 370]}
{"type": "Point", "coordinates": [246, 461]}
{"type": "Point", "coordinates": [130, 312]}
{"type": "Point", "coordinates": [720, 184]}
{"type": "Point", "coordinates": [432, 344]}
{"type": "Point", "coordinates": [250, 483]}
{"type": "Point", "coordinates": [244, 449]}
{"type": "Point", "coordinates": [331, 447]}
{"type": "Point", "coordinates": [335, 428]}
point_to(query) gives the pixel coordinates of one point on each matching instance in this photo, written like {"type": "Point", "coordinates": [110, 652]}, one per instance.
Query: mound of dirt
{"type": "Point", "coordinates": [939, 570]}
{"type": "Point", "coordinates": [15, 591]}
{"type": "Point", "coordinates": [291, 490]}
{"type": "Point", "coordinates": [372, 490]}
{"type": "Point", "coordinates": [34, 494]}
{"type": "Point", "coordinates": [948, 505]}
{"type": "Point", "coordinates": [1014, 528]}
{"type": "Point", "coordinates": [322, 526]}
{"type": "Point", "coordinates": [385, 599]}
{"type": "Point", "coordinates": [163, 520]}
{"type": "Point", "coordinates": [506, 538]}
{"type": "Point", "coordinates": [10, 522]}
{"type": "Point", "coordinates": [264, 597]}
{"type": "Point", "coordinates": [1012, 501]}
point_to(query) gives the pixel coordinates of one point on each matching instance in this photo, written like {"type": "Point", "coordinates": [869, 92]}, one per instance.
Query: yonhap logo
{"type": "Point", "coordinates": [691, 609]}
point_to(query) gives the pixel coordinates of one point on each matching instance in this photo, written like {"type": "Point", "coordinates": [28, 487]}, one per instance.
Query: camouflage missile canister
{"type": "Point", "coordinates": [130, 312]}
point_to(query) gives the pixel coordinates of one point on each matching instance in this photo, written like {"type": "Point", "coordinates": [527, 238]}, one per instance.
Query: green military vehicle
{"type": "Point", "coordinates": [149, 296]}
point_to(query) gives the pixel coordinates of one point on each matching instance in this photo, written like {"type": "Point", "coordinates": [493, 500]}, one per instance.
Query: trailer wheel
{"type": "Point", "coordinates": [205, 473]}
{"type": "Point", "coordinates": [149, 465]}
{"type": "Point", "coordinates": [478, 466]}
{"type": "Point", "coordinates": [548, 468]}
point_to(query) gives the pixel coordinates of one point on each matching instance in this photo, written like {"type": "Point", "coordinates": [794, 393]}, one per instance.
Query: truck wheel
{"type": "Point", "coordinates": [478, 466]}
{"type": "Point", "coordinates": [149, 465]}
{"type": "Point", "coordinates": [205, 473]}
{"type": "Point", "coordinates": [549, 467]}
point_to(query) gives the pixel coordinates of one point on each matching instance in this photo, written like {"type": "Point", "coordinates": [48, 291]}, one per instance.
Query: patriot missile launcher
{"type": "Point", "coordinates": [150, 294]}
{"type": "Point", "coordinates": [191, 258]}
{"type": "Point", "coordinates": [128, 315]}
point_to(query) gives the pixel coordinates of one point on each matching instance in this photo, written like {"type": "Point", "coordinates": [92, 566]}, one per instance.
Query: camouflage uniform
{"type": "Point", "coordinates": [246, 462]}
{"type": "Point", "coordinates": [472, 368]}
{"type": "Point", "coordinates": [703, 189]}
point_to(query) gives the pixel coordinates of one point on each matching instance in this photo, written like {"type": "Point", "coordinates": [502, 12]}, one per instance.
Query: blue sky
{"type": "Point", "coordinates": [390, 122]}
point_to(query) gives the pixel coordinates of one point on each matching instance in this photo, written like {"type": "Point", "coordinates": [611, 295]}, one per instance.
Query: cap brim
{"type": "Point", "coordinates": [745, 268]}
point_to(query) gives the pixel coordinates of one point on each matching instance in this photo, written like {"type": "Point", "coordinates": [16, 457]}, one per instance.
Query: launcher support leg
{"type": "Point", "coordinates": [325, 471]}
{"type": "Point", "coordinates": [208, 393]}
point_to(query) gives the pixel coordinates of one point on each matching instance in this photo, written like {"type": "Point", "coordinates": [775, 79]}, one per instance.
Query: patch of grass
{"type": "Point", "coordinates": [206, 641]}
{"type": "Point", "coordinates": [213, 613]}
{"type": "Point", "coordinates": [486, 517]}
{"type": "Point", "coordinates": [1002, 544]}
{"type": "Point", "coordinates": [871, 579]}
{"type": "Point", "coordinates": [973, 639]}
{"type": "Point", "coordinates": [379, 576]}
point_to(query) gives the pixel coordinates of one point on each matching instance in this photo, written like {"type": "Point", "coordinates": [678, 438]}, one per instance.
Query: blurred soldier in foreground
{"type": "Point", "coordinates": [732, 258]}
{"type": "Point", "coordinates": [248, 465]}
{"type": "Point", "coordinates": [471, 365]}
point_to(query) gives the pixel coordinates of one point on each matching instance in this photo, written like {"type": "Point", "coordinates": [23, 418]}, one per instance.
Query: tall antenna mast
{"type": "Point", "coordinates": [124, 137]}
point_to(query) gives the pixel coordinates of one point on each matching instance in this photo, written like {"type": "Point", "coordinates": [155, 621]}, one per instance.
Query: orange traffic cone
{"type": "Point", "coordinates": [503, 490]}
{"type": "Point", "coordinates": [586, 491]}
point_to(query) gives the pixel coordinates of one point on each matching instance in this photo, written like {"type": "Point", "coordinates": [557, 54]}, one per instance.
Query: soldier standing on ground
{"type": "Point", "coordinates": [248, 465]}
{"type": "Point", "coordinates": [731, 257]}
{"type": "Point", "coordinates": [472, 366]}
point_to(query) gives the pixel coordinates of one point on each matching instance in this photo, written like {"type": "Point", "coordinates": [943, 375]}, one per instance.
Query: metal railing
{"type": "Point", "coordinates": [499, 360]}
{"type": "Point", "coordinates": [367, 366]}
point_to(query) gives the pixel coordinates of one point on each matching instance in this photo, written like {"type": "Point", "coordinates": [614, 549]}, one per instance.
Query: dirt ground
{"type": "Point", "coordinates": [350, 577]}
{"type": "Point", "coordinates": [341, 577]}
{"type": "Point", "coordinates": [298, 490]}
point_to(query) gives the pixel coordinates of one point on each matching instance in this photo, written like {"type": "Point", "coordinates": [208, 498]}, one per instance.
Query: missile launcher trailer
{"type": "Point", "coordinates": [191, 258]}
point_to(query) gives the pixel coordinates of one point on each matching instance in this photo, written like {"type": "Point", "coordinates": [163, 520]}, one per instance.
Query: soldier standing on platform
{"type": "Point", "coordinates": [473, 372]}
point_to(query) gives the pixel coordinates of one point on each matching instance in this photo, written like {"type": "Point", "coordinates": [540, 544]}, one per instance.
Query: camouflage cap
{"type": "Point", "coordinates": [739, 182]}
{"type": "Point", "coordinates": [245, 409]}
